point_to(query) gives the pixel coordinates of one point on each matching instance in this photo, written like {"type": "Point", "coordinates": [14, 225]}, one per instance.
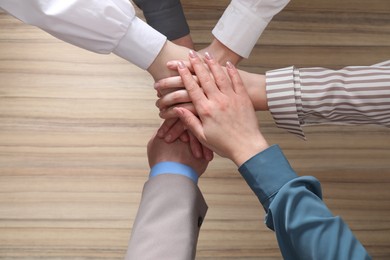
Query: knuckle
{"type": "Point", "coordinates": [207, 80]}
{"type": "Point", "coordinates": [206, 111]}
{"type": "Point", "coordinates": [220, 78]}
{"type": "Point", "coordinates": [222, 103]}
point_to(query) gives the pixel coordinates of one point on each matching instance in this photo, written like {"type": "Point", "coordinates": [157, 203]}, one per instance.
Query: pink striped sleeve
{"type": "Point", "coordinates": [352, 95]}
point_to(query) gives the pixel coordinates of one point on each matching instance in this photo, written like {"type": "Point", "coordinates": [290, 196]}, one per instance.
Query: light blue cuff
{"type": "Point", "coordinates": [174, 168]}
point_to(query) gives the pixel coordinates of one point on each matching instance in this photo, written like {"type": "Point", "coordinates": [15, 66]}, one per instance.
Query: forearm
{"type": "Point", "coordinates": [185, 41]}
{"type": "Point", "coordinates": [170, 51]}
{"type": "Point", "coordinates": [304, 226]}
{"type": "Point", "coordinates": [166, 16]}
{"type": "Point", "coordinates": [306, 229]}
{"type": "Point", "coordinates": [168, 220]}
{"type": "Point", "coordinates": [98, 26]}
{"type": "Point", "coordinates": [352, 95]}
{"type": "Point", "coordinates": [244, 21]}
{"type": "Point", "coordinates": [256, 88]}
{"type": "Point", "coordinates": [221, 53]}
{"type": "Point", "coordinates": [260, 170]}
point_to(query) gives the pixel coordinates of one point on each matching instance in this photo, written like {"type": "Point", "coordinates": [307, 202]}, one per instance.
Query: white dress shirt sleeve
{"type": "Point", "coordinates": [244, 21]}
{"type": "Point", "coordinates": [99, 26]}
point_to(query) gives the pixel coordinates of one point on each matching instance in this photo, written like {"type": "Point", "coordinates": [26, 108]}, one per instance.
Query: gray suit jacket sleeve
{"type": "Point", "coordinates": [168, 221]}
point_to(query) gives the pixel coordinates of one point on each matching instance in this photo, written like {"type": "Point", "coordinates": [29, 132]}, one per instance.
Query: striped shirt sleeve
{"type": "Point", "coordinates": [352, 95]}
{"type": "Point", "coordinates": [284, 99]}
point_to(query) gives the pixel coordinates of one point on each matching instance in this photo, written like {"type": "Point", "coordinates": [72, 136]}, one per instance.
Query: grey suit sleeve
{"type": "Point", "coordinates": [168, 221]}
{"type": "Point", "coordinates": [166, 16]}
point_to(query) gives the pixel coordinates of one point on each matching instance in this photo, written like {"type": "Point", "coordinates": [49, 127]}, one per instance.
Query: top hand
{"type": "Point", "coordinates": [175, 95]}
{"type": "Point", "coordinates": [227, 124]}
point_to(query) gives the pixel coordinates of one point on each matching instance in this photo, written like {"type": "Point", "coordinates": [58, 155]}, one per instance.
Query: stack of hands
{"type": "Point", "coordinates": [207, 109]}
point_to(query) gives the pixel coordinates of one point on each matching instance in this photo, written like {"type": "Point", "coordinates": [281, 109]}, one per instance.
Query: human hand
{"type": "Point", "coordinates": [173, 129]}
{"type": "Point", "coordinates": [177, 151]}
{"type": "Point", "coordinates": [197, 148]}
{"type": "Point", "coordinates": [227, 123]}
{"type": "Point", "coordinates": [174, 94]}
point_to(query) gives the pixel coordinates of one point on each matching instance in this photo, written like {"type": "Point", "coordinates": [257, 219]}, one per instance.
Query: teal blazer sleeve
{"type": "Point", "coordinates": [305, 228]}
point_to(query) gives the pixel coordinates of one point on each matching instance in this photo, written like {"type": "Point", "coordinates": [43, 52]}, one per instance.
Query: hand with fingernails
{"type": "Point", "coordinates": [225, 119]}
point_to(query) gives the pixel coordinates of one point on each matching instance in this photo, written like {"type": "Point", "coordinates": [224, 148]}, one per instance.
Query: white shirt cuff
{"type": "Point", "coordinates": [239, 28]}
{"type": "Point", "coordinates": [141, 44]}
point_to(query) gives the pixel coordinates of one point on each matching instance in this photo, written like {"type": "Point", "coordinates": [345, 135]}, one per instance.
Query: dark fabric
{"type": "Point", "coordinates": [166, 16]}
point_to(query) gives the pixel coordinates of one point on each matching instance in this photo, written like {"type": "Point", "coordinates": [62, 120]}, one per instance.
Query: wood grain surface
{"type": "Point", "coordinates": [74, 126]}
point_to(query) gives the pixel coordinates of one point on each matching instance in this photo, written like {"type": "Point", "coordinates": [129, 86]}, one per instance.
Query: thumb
{"type": "Point", "coordinates": [191, 122]}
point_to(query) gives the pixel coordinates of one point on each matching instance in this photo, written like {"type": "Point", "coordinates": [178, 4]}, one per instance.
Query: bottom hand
{"type": "Point", "coordinates": [177, 151]}
{"type": "Point", "coordinates": [174, 129]}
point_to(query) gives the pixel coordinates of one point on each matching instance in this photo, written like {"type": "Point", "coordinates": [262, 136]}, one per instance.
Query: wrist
{"type": "Point", "coordinates": [247, 151]}
{"type": "Point", "coordinates": [255, 85]}
{"type": "Point", "coordinates": [169, 167]}
{"type": "Point", "coordinates": [170, 51]}
{"type": "Point", "coordinates": [185, 41]}
{"type": "Point", "coordinates": [222, 53]}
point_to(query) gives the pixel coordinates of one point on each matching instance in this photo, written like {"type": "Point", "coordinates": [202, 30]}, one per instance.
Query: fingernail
{"type": "Point", "coordinates": [229, 65]}
{"type": "Point", "coordinates": [193, 54]}
{"type": "Point", "coordinates": [208, 56]}
{"type": "Point", "coordinates": [181, 65]}
{"type": "Point", "coordinates": [156, 85]}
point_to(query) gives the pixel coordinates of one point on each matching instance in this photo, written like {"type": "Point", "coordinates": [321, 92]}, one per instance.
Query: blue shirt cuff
{"type": "Point", "coordinates": [174, 168]}
{"type": "Point", "coordinates": [266, 173]}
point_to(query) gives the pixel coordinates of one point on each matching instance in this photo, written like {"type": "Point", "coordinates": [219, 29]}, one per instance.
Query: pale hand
{"type": "Point", "coordinates": [227, 123]}
{"type": "Point", "coordinates": [254, 83]}
{"type": "Point", "coordinates": [172, 129]}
